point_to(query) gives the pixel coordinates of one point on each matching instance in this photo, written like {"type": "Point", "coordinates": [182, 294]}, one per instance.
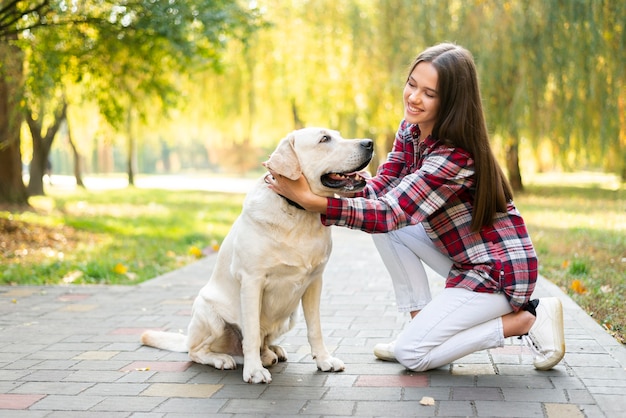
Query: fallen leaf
{"type": "Point", "coordinates": [427, 400]}
{"type": "Point", "coordinates": [578, 287]}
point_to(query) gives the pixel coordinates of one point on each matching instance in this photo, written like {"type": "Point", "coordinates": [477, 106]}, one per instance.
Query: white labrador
{"type": "Point", "coordinates": [273, 258]}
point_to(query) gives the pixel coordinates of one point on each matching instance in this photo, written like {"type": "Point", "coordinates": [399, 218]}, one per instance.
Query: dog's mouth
{"type": "Point", "coordinates": [346, 181]}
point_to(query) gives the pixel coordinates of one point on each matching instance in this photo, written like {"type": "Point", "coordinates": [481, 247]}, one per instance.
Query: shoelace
{"type": "Point", "coordinates": [527, 341]}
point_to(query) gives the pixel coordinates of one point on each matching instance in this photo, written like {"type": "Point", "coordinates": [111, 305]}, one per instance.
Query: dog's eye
{"type": "Point", "coordinates": [325, 138]}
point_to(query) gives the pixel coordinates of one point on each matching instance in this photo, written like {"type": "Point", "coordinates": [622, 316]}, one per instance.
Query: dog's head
{"type": "Point", "coordinates": [329, 162]}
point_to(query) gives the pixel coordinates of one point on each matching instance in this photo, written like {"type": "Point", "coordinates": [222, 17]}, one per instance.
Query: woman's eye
{"type": "Point", "coordinates": [325, 138]}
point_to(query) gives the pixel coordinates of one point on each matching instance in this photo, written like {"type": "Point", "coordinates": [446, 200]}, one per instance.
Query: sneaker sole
{"type": "Point", "coordinates": [384, 355]}
{"type": "Point", "coordinates": [557, 328]}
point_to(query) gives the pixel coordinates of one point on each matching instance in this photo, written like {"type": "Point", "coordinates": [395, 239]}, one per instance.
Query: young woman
{"type": "Point", "coordinates": [442, 199]}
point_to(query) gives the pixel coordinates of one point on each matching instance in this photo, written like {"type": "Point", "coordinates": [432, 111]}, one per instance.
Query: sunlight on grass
{"type": "Point", "coordinates": [578, 225]}
{"type": "Point", "coordinates": [116, 236]}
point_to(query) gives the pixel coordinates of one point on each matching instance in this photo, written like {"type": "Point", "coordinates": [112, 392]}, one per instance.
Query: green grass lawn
{"type": "Point", "coordinates": [577, 223]}
{"type": "Point", "coordinates": [578, 226]}
{"type": "Point", "coordinates": [112, 237]}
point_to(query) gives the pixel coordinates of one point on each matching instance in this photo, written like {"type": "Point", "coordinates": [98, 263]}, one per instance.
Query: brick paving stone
{"type": "Point", "coordinates": [505, 409]}
{"type": "Point", "coordinates": [534, 395]}
{"type": "Point", "coordinates": [394, 409]}
{"type": "Point", "coordinates": [18, 401]}
{"type": "Point", "coordinates": [52, 388]}
{"type": "Point", "coordinates": [159, 366]}
{"type": "Point", "coordinates": [202, 406]}
{"type": "Point", "coordinates": [176, 390]}
{"type": "Point", "coordinates": [128, 403]}
{"type": "Point", "coordinates": [477, 394]}
{"type": "Point", "coordinates": [455, 409]}
{"type": "Point", "coordinates": [557, 410]}
{"type": "Point", "coordinates": [241, 391]}
{"type": "Point", "coordinates": [418, 380]}
{"type": "Point", "coordinates": [329, 408]}
{"type": "Point", "coordinates": [116, 389]}
{"type": "Point", "coordinates": [263, 406]}
{"type": "Point", "coordinates": [67, 403]}
{"type": "Point", "coordinates": [365, 394]}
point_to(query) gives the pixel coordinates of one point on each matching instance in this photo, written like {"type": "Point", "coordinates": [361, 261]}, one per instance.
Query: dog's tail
{"type": "Point", "coordinates": [170, 341]}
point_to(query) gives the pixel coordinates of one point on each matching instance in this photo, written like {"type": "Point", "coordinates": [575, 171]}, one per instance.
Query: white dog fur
{"type": "Point", "coordinates": [272, 259]}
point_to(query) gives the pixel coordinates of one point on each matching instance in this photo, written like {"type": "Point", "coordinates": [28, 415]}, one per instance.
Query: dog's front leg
{"type": "Point", "coordinates": [251, 295]}
{"type": "Point", "coordinates": [311, 307]}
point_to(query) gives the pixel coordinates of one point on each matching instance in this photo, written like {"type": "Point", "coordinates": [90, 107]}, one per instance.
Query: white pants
{"type": "Point", "coordinates": [457, 322]}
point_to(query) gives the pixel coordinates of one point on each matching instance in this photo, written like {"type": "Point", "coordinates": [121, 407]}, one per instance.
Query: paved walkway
{"type": "Point", "coordinates": [74, 352]}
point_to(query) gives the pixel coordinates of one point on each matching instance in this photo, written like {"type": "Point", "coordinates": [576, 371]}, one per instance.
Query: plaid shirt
{"type": "Point", "coordinates": [435, 186]}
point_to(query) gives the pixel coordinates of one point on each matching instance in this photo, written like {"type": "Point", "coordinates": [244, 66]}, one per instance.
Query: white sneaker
{"type": "Point", "coordinates": [546, 337]}
{"type": "Point", "coordinates": [385, 351]}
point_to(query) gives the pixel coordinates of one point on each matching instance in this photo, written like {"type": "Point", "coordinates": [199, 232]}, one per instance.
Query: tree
{"type": "Point", "coordinates": [15, 16]}
{"type": "Point", "coordinates": [12, 188]}
{"type": "Point", "coordinates": [117, 51]}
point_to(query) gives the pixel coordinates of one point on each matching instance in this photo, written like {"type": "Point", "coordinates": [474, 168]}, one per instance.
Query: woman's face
{"type": "Point", "coordinates": [421, 100]}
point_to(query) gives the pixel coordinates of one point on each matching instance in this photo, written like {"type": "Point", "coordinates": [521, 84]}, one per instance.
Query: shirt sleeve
{"type": "Point", "coordinates": [445, 175]}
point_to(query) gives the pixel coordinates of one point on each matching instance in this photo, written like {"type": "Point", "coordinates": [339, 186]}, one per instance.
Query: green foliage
{"type": "Point", "coordinates": [579, 268]}
{"type": "Point", "coordinates": [123, 53]}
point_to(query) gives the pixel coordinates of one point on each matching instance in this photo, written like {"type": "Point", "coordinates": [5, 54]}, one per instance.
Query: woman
{"type": "Point", "coordinates": [442, 199]}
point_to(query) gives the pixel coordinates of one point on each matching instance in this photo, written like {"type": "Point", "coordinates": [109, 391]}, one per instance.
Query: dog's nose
{"type": "Point", "coordinates": [368, 144]}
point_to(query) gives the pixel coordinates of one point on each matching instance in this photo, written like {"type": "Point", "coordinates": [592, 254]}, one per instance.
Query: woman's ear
{"type": "Point", "coordinates": [284, 160]}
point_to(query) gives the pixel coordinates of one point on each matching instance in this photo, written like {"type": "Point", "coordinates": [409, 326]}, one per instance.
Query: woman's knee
{"type": "Point", "coordinates": [411, 357]}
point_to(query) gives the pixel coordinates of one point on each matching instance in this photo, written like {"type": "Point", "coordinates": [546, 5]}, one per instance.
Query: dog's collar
{"type": "Point", "coordinates": [291, 202]}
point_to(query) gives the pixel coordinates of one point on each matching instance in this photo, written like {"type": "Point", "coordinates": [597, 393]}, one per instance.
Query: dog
{"type": "Point", "coordinates": [272, 260]}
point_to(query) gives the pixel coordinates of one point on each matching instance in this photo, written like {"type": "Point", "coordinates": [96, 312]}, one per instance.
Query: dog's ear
{"type": "Point", "coordinates": [284, 160]}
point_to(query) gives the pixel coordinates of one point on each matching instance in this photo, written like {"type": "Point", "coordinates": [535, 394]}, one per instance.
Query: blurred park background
{"type": "Point", "coordinates": [129, 89]}
{"type": "Point", "coordinates": [165, 86]}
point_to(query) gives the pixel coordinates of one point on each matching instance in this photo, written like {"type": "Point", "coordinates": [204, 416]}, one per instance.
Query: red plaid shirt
{"type": "Point", "coordinates": [435, 186]}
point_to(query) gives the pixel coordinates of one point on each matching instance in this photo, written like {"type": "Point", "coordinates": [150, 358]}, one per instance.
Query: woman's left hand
{"type": "Point", "coordinates": [297, 190]}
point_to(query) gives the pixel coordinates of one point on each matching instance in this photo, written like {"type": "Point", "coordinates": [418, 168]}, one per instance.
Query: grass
{"type": "Point", "coordinates": [577, 223]}
{"type": "Point", "coordinates": [112, 237]}
{"type": "Point", "coordinates": [578, 226]}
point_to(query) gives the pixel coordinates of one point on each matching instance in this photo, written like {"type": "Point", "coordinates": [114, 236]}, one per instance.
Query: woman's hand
{"type": "Point", "coordinates": [298, 191]}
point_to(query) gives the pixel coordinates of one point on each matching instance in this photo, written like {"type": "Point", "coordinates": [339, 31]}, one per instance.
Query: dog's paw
{"type": "Point", "coordinates": [268, 358]}
{"type": "Point", "coordinates": [330, 364]}
{"type": "Point", "coordinates": [218, 360]}
{"type": "Point", "coordinates": [256, 375]}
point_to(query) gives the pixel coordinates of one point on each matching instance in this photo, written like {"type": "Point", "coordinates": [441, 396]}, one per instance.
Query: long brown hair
{"type": "Point", "coordinates": [461, 123]}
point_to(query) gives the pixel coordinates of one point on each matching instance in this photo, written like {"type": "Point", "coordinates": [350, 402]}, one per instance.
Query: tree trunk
{"type": "Point", "coordinates": [37, 168]}
{"type": "Point", "coordinates": [77, 157]}
{"type": "Point", "coordinates": [131, 150]}
{"type": "Point", "coordinates": [512, 165]}
{"type": "Point", "coordinates": [297, 122]}
{"type": "Point", "coordinates": [12, 189]}
{"type": "Point", "coordinates": [41, 147]}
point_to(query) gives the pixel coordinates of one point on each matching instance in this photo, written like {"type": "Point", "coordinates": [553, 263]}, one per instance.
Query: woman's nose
{"type": "Point", "coordinates": [414, 96]}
